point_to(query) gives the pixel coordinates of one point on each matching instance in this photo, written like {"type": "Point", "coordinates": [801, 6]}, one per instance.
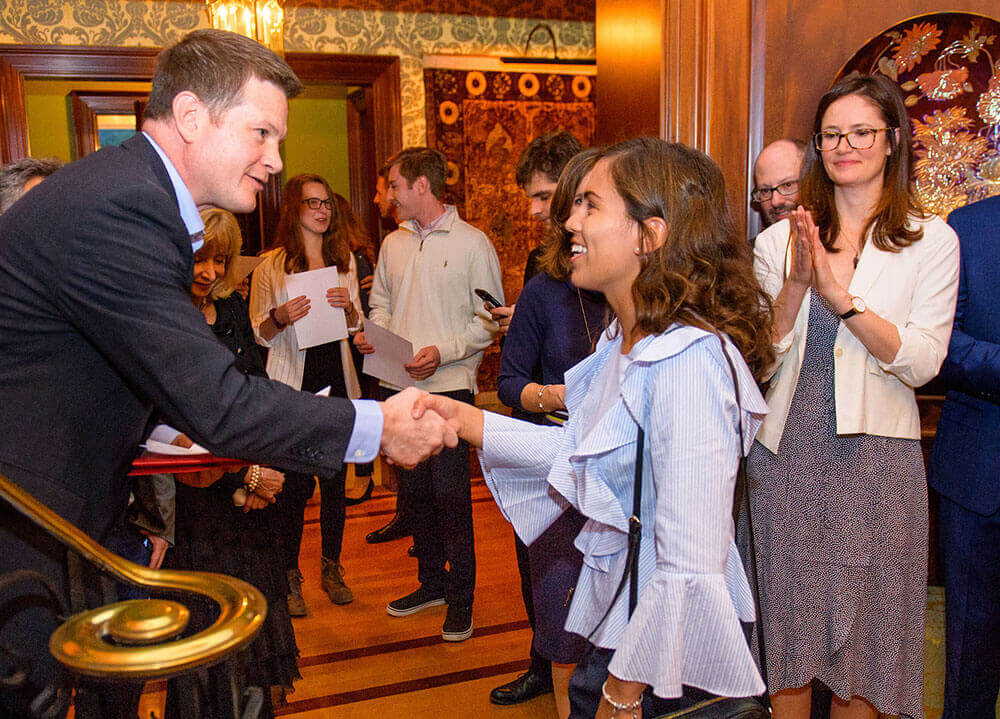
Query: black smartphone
{"type": "Point", "coordinates": [491, 301]}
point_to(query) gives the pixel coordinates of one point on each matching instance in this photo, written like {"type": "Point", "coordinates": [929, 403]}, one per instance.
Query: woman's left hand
{"type": "Point", "coordinates": [622, 692]}
{"type": "Point", "coordinates": [271, 483]}
{"type": "Point", "coordinates": [340, 297]}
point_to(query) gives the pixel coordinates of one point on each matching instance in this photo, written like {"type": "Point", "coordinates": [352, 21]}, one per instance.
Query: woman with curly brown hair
{"type": "Point", "coordinates": [864, 287]}
{"type": "Point", "coordinates": [650, 230]}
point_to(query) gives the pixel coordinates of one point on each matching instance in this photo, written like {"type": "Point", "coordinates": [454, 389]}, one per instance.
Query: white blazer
{"type": "Point", "coordinates": [285, 361]}
{"type": "Point", "coordinates": [914, 288]}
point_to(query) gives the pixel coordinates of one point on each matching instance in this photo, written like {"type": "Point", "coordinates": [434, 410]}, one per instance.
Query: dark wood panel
{"type": "Point", "coordinates": [629, 57]}
{"type": "Point", "coordinates": [680, 69]}
{"type": "Point", "coordinates": [106, 63]}
{"type": "Point", "coordinates": [84, 127]}
{"type": "Point", "coordinates": [378, 74]}
{"type": "Point", "coordinates": [807, 42]}
{"type": "Point", "coordinates": [13, 118]}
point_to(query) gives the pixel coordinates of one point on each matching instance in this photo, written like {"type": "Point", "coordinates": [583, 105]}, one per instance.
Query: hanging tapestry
{"type": "Point", "coordinates": [948, 67]}
{"type": "Point", "coordinates": [482, 121]}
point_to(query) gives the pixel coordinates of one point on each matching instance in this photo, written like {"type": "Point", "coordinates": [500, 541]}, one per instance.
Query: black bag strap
{"type": "Point", "coordinates": [634, 536]}
{"type": "Point", "coordinates": [634, 529]}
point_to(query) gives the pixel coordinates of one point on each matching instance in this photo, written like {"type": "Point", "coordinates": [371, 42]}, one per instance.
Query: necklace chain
{"type": "Point", "coordinates": [583, 312]}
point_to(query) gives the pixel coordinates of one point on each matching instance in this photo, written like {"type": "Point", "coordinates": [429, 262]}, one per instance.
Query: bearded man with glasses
{"type": "Point", "coordinates": [776, 180]}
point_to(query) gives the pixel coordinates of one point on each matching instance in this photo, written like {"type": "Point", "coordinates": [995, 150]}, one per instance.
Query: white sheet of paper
{"type": "Point", "coordinates": [391, 353]}
{"type": "Point", "coordinates": [245, 265]}
{"type": "Point", "coordinates": [155, 447]}
{"type": "Point", "coordinates": [323, 323]}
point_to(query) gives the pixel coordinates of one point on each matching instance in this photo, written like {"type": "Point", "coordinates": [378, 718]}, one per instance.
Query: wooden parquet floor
{"type": "Point", "coordinates": [357, 661]}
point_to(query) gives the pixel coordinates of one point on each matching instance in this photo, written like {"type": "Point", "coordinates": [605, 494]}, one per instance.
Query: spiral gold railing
{"type": "Point", "coordinates": [118, 641]}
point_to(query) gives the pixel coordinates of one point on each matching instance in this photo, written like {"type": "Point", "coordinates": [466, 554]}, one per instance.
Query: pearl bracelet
{"type": "Point", "coordinates": [540, 407]}
{"type": "Point", "coordinates": [252, 480]}
{"type": "Point", "coordinates": [619, 706]}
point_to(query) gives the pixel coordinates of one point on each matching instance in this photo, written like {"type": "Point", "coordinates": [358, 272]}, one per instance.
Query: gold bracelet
{"type": "Point", "coordinates": [620, 706]}
{"type": "Point", "coordinates": [252, 480]}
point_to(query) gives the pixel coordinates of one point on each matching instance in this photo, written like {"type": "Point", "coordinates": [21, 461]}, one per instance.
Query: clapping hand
{"type": "Point", "coordinates": [270, 486]}
{"type": "Point", "coordinates": [803, 229]}
{"type": "Point", "coordinates": [409, 436]}
{"type": "Point", "coordinates": [810, 261]}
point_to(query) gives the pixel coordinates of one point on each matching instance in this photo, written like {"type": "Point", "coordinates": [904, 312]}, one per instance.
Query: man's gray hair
{"type": "Point", "coordinates": [15, 175]}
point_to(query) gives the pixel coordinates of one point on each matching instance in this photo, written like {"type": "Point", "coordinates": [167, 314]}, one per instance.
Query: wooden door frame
{"type": "Point", "coordinates": [378, 74]}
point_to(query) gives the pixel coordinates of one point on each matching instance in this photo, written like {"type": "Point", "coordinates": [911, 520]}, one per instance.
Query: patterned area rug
{"type": "Point", "coordinates": [482, 121]}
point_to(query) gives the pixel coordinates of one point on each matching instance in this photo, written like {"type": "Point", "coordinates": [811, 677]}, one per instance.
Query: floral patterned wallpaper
{"type": "Point", "coordinates": [948, 67]}
{"type": "Point", "coordinates": [547, 9]}
{"type": "Point", "coordinates": [308, 29]}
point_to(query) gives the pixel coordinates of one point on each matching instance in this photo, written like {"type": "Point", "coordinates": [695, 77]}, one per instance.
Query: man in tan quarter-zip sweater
{"type": "Point", "coordinates": [424, 290]}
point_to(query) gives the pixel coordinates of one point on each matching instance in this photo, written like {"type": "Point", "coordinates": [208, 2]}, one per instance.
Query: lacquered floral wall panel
{"type": "Point", "coordinates": [948, 67]}
{"type": "Point", "coordinates": [482, 121]}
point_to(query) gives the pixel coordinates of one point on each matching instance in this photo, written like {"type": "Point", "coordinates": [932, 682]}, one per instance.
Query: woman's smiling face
{"type": "Point", "coordinates": [209, 265]}
{"type": "Point", "coordinates": [315, 221]}
{"type": "Point", "coordinates": [605, 238]}
{"type": "Point", "coordinates": [846, 166]}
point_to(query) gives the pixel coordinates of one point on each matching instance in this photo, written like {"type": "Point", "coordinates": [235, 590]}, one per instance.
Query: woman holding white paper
{"type": "Point", "coordinates": [311, 235]}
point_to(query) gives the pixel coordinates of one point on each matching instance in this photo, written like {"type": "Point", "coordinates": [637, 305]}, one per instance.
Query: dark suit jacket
{"type": "Point", "coordinates": [965, 463]}
{"type": "Point", "coordinates": [97, 330]}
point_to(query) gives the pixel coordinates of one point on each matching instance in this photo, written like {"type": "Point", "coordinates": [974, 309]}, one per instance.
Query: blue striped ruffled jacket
{"type": "Point", "coordinates": [692, 586]}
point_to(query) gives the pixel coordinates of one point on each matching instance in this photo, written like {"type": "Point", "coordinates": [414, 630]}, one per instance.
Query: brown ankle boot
{"type": "Point", "coordinates": [296, 604]}
{"type": "Point", "coordinates": [332, 580]}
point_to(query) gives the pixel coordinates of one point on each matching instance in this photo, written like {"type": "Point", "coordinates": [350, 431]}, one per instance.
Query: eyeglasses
{"type": "Point", "coordinates": [765, 193]}
{"type": "Point", "coordinates": [860, 139]}
{"type": "Point", "coordinates": [315, 203]}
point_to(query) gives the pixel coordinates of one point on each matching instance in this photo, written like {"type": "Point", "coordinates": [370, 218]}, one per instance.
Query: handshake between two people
{"type": "Point", "coordinates": [417, 425]}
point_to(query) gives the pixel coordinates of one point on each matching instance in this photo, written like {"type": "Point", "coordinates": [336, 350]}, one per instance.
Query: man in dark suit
{"type": "Point", "coordinates": [97, 331]}
{"type": "Point", "coordinates": [965, 471]}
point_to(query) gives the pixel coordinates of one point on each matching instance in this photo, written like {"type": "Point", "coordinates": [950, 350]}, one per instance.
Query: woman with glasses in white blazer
{"type": "Point", "coordinates": [864, 286]}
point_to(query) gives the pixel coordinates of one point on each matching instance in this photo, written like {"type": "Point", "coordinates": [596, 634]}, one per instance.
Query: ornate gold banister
{"type": "Point", "coordinates": [81, 643]}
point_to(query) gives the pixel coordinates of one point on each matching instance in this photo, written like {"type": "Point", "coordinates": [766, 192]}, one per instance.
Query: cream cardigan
{"type": "Point", "coordinates": [915, 289]}
{"type": "Point", "coordinates": [285, 361]}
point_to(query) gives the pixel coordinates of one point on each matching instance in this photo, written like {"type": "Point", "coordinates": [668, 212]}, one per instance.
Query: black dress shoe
{"type": "Point", "coordinates": [525, 687]}
{"type": "Point", "coordinates": [397, 528]}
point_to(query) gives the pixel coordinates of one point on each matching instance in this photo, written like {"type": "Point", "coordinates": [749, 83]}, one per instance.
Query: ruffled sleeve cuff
{"type": "Point", "coordinates": [685, 631]}
{"type": "Point", "coordinates": [516, 458]}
